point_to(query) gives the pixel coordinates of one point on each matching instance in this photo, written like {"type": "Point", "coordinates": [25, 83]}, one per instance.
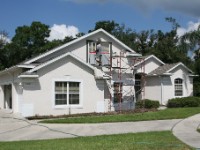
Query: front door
{"type": "Point", "coordinates": [8, 96]}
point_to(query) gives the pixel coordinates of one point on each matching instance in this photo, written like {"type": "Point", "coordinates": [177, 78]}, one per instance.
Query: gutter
{"type": "Point", "coordinates": [161, 90]}
{"type": "Point", "coordinates": [193, 75]}
{"type": "Point", "coordinates": [133, 55]}
{"type": "Point", "coordinates": [28, 76]}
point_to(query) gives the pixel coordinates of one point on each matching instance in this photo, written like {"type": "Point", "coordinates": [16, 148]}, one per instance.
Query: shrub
{"type": "Point", "coordinates": [184, 102]}
{"type": "Point", "coordinates": [146, 103]}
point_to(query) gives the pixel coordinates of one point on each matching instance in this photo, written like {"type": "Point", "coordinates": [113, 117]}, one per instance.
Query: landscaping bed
{"type": "Point", "coordinates": [170, 113]}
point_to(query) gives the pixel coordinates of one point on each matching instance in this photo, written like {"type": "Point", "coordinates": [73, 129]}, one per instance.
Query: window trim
{"type": "Point", "coordinates": [175, 87]}
{"type": "Point", "coordinates": [80, 105]}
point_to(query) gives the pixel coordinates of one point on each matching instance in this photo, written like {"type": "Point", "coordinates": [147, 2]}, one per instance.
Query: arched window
{"type": "Point", "coordinates": [178, 86]}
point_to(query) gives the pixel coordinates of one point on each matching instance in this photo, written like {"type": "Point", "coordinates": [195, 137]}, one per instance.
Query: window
{"type": "Point", "coordinates": [67, 93]}
{"type": "Point", "coordinates": [118, 92]}
{"type": "Point", "coordinates": [98, 53]}
{"type": "Point", "coordinates": [178, 85]}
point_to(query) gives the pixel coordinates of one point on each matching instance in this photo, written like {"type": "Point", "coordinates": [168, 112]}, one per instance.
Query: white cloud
{"type": "Point", "coordinates": [190, 7]}
{"type": "Point", "coordinates": [192, 26]}
{"type": "Point", "coordinates": [59, 32]}
{"type": "Point", "coordinates": [4, 38]}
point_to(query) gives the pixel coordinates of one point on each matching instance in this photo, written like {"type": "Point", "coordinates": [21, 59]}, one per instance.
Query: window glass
{"type": "Point", "coordinates": [61, 99]}
{"type": "Point", "coordinates": [67, 93]}
{"type": "Point", "coordinates": [118, 92]}
{"type": "Point", "coordinates": [178, 86]}
{"type": "Point", "coordinates": [61, 87]}
{"type": "Point", "coordinates": [74, 93]}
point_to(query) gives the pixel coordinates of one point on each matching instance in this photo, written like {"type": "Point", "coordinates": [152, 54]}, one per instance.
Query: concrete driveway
{"type": "Point", "coordinates": [14, 128]}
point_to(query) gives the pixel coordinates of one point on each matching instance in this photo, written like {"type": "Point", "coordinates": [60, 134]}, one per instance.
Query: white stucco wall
{"type": "Point", "coordinates": [181, 72]}
{"type": "Point", "coordinates": [162, 88]}
{"type": "Point", "coordinates": [148, 65]}
{"type": "Point", "coordinates": [152, 89]}
{"type": "Point", "coordinates": [39, 96]}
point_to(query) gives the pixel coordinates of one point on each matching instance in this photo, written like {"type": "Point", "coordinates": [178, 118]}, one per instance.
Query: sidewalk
{"type": "Point", "coordinates": [186, 131]}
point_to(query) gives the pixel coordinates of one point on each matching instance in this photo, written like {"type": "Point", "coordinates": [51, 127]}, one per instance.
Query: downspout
{"type": "Point", "coordinates": [161, 90]}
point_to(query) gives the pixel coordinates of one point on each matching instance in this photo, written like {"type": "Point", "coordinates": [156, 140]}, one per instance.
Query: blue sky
{"type": "Point", "coordinates": [82, 14]}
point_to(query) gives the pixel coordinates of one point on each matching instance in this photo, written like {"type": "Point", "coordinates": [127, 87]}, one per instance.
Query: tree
{"type": "Point", "coordinates": [3, 38]}
{"type": "Point", "coordinates": [32, 38]}
{"type": "Point", "coordinates": [107, 25]}
{"type": "Point", "coordinates": [3, 43]}
{"type": "Point", "coordinates": [126, 35]}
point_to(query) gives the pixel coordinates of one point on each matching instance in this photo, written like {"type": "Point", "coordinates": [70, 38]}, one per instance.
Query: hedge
{"type": "Point", "coordinates": [184, 102]}
{"type": "Point", "coordinates": [146, 103]}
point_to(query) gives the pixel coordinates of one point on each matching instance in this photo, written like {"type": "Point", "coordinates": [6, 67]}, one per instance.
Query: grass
{"type": "Point", "coordinates": [198, 130]}
{"type": "Point", "coordinates": [170, 113]}
{"type": "Point", "coordinates": [137, 141]}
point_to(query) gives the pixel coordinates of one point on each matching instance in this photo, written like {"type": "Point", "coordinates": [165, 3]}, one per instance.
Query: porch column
{"type": "Point", "coordinates": [1, 97]}
{"type": "Point", "coordinates": [15, 97]}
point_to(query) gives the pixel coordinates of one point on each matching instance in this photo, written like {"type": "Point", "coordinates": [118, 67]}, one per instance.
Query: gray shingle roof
{"type": "Point", "coordinates": [162, 69]}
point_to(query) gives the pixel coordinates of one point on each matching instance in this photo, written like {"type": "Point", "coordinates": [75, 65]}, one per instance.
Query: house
{"type": "Point", "coordinates": [94, 73]}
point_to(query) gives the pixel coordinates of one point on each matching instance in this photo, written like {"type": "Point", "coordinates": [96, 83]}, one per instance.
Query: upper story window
{"type": "Point", "coordinates": [98, 53]}
{"type": "Point", "coordinates": [178, 86]}
{"type": "Point", "coordinates": [67, 93]}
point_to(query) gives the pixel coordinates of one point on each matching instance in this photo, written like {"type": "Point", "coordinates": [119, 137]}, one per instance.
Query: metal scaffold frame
{"type": "Point", "coordinates": [120, 93]}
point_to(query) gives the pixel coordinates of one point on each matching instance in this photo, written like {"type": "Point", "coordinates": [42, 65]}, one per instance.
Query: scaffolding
{"type": "Point", "coordinates": [122, 68]}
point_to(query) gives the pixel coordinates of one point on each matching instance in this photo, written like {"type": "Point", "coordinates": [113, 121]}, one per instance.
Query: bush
{"type": "Point", "coordinates": [146, 103]}
{"type": "Point", "coordinates": [184, 102]}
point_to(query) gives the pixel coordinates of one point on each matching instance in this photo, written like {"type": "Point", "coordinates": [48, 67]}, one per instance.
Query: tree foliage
{"type": "Point", "coordinates": [30, 41]}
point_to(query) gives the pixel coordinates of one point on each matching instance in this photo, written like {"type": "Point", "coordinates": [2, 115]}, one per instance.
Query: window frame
{"type": "Point", "coordinates": [80, 105]}
{"type": "Point", "coordinates": [95, 43]}
{"type": "Point", "coordinates": [178, 85]}
{"type": "Point", "coordinates": [120, 93]}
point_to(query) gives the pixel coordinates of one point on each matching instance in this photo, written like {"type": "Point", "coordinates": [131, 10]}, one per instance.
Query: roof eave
{"type": "Point", "coordinates": [145, 59]}
{"type": "Point", "coordinates": [26, 66]}
{"type": "Point", "coordinates": [58, 58]}
{"type": "Point", "coordinates": [11, 69]}
{"type": "Point", "coordinates": [177, 66]}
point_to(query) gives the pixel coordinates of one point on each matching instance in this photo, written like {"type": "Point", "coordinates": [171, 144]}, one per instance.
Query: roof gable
{"type": "Point", "coordinates": [77, 40]}
{"type": "Point", "coordinates": [167, 68]}
{"type": "Point", "coordinates": [98, 74]}
{"type": "Point", "coordinates": [180, 64]}
{"type": "Point", "coordinates": [145, 58]}
{"type": "Point", "coordinates": [58, 58]}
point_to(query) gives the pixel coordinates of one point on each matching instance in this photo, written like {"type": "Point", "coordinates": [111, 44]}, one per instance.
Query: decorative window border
{"type": "Point", "coordinates": [80, 105]}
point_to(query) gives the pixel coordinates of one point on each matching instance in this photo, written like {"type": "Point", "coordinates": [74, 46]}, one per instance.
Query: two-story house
{"type": "Point", "coordinates": [94, 73]}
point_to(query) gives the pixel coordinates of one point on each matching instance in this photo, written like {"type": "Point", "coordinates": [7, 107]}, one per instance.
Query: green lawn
{"type": "Point", "coordinates": [198, 130]}
{"type": "Point", "coordinates": [138, 141]}
{"type": "Point", "coordinates": [171, 113]}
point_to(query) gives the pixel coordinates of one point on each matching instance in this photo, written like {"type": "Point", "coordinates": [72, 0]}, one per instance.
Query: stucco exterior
{"type": "Point", "coordinates": [66, 69]}
{"type": "Point", "coordinates": [29, 88]}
